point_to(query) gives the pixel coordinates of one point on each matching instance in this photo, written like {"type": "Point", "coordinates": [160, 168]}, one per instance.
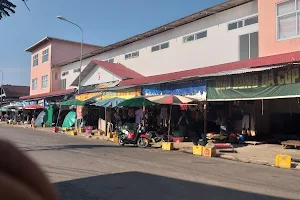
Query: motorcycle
{"type": "Point", "coordinates": [137, 137]}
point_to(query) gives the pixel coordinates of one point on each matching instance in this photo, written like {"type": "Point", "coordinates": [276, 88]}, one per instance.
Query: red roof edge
{"type": "Point", "coordinates": [49, 94]}
{"type": "Point", "coordinates": [118, 69]}
{"type": "Point", "coordinates": [255, 62]}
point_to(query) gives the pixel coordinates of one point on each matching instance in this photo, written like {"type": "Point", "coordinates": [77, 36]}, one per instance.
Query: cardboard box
{"type": "Point", "coordinates": [283, 161]}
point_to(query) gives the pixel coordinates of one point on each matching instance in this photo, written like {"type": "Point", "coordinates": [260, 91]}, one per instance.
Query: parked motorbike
{"type": "Point", "coordinates": [137, 137]}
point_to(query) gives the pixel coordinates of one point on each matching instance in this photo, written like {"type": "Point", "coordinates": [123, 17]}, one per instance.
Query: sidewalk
{"type": "Point", "coordinates": [263, 154]}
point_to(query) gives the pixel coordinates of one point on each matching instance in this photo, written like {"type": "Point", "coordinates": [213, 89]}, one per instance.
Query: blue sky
{"type": "Point", "coordinates": [104, 22]}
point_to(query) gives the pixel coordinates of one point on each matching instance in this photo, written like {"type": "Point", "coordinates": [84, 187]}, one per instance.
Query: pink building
{"type": "Point", "coordinates": [279, 26]}
{"type": "Point", "coordinates": [45, 54]}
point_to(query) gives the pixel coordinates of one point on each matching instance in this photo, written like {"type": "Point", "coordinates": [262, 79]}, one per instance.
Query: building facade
{"type": "Point", "coordinates": [46, 53]}
{"type": "Point", "coordinates": [225, 33]}
{"type": "Point", "coordinates": [279, 26]}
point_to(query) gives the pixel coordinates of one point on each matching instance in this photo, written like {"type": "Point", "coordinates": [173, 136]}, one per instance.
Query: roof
{"type": "Point", "coordinates": [251, 63]}
{"type": "Point", "coordinates": [49, 94]}
{"type": "Point", "coordinates": [174, 24]}
{"type": "Point", "coordinates": [47, 38]}
{"type": "Point", "coordinates": [116, 69]}
{"type": "Point", "coordinates": [15, 91]}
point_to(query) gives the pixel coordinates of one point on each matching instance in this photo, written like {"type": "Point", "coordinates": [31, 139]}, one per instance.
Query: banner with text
{"type": "Point", "coordinates": [125, 94]}
{"type": "Point", "coordinates": [271, 84]}
{"type": "Point", "coordinates": [196, 90]}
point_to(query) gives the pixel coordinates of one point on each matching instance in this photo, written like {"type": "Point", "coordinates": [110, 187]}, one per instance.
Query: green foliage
{"type": "Point", "coordinates": [7, 8]}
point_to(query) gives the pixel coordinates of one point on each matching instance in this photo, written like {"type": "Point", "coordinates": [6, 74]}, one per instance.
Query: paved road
{"type": "Point", "coordinates": [92, 169]}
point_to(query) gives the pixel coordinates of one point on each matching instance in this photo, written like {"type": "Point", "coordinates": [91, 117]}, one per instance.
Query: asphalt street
{"type": "Point", "coordinates": [93, 169]}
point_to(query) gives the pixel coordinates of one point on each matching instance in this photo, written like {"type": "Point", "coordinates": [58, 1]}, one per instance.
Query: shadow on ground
{"type": "Point", "coordinates": [70, 147]}
{"type": "Point", "coordinates": [137, 186]}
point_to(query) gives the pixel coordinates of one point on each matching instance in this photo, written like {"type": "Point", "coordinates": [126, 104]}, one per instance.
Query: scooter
{"type": "Point", "coordinates": [138, 138]}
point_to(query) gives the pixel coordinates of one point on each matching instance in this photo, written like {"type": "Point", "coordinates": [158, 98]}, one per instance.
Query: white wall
{"type": "Point", "coordinates": [220, 45]}
{"type": "Point", "coordinates": [98, 75]}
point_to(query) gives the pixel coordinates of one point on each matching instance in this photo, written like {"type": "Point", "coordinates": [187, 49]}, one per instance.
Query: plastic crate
{"type": "Point", "coordinates": [198, 150]}
{"type": "Point", "coordinates": [283, 161]}
{"type": "Point", "coordinates": [167, 146]}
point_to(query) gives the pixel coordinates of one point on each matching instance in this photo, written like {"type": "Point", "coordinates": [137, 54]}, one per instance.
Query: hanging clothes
{"type": "Point", "coordinates": [138, 116]}
{"type": "Point", "coordinates": [246, 122]}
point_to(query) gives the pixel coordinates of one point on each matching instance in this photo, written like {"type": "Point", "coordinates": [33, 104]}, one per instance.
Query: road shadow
{"type": "Point", "coordinates": [70, 147]}
{"type": "Point", "coordinates": [137, 186]}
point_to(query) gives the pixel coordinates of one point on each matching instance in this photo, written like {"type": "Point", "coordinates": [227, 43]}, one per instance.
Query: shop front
{"type": "Point", "coordinates": [262, 104]}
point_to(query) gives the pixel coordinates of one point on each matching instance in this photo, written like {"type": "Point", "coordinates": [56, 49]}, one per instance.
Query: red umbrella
{"type": "Point", "coordinates": [33, 107]}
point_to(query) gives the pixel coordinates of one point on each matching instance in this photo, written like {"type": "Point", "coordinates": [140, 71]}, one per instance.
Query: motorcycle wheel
{"type": "Point", "coordinates": [121, 142]}
{"type": "Point", "coordinates": [142, 142]}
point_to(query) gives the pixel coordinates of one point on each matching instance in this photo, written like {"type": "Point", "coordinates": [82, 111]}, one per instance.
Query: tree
{"type": "Point", "coordinates": [7, 8]}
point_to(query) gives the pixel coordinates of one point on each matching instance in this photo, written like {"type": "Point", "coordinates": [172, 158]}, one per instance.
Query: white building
{"type": "Point", "coordinates": [225, 33]}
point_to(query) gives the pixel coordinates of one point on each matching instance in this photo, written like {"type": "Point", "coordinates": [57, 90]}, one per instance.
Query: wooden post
{"type": "Point", "coordinates": [205, 121]}
{"type": "Point", "coordinates": [169, 129]}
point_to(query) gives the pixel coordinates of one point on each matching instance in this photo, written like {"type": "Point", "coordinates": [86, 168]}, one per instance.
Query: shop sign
{"type": "Point", "coordinates": [267, 84]}
{"type": "Point", "coordinates": [27, 103]}
{"type": "Point", "coordinates": [196, 90]}
{"type": "Point", "coordinates": [86, 96]}
{"type": "Point", "coordinates": [129, 93]}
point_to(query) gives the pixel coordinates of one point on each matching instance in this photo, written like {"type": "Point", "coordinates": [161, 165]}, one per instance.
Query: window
{"type": "Point", "coordinates": [160, 46]}
{"type": "Point", "coordinates": [155, 48]}
{"type": "Point", "coordinates": [45, 55]}
{"type": "Point", "coordinates": [250, 21]}
{"type": "Point", "coordinates": [45, 81]}
{"type": "Point", "coordinates": [76, 70]}
{"type": "Point", "coordinates": [34, 84]}
{"type": "Point", "coordinates": [35, 60]}
{"type": "Point", "coordinates": [65, 73]}
{"type": "Point", "coordinates": [111, 60]}
{"type": "Point", "coordinates": [200, 35]}
{"type": "Point", "coordinates": [242, 23]}
{"type": "Point", "coordinates": [188, 38]}
{"type": "Point", "coordinates": [196, 36]}
{"type": "Point", "coordinates": [164, 45]}
{"type": "Point", "coordinates": [63, 84]}
{"type": "Point", "coordinates": [249, 46]}
{"type": "Point", "coordinates": [132, 55]}
{"type": "Point", "coordinates": [288, 19]}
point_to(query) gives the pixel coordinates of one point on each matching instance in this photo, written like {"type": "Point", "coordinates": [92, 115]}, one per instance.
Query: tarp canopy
{"type": "Point", "coordinates": [271, 84]}
{"type": "Point", "coordinates": [73, 102]}
{"type": "Point", "coordinates": [49, 116]}
{"type": "Point", "coordinates": [113, 102]}
{"type": "Point", "coordinates": [69, 120]}
{"type": "Point", "coordinates": [40, 118]}
{"type": "Point", "coordinates": [136, 102]}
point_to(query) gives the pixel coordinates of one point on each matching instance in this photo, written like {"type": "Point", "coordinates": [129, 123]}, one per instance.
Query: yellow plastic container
{"type": "Point", "coordinates": [283, 161]}
{"type": "Point", "coordinates": [167, 146]}
{"type": "Point", "coordinates": [198, 150]}
{"type": "Point", "coordinates": [73, 132]}
{"type": "Point", "coordinates": [115, 139]}
{"type": "Point", "coordinates": [209, 152]}
{"type": "Point", "coordinates": [109, 135]}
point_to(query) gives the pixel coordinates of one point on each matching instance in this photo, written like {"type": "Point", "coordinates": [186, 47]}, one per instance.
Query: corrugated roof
{"type": "Point", "coordinates": [244, 64]}
{"type": "Point", "coordinates": [49, 94]}
{"type": "Point", "coordinates": [118, 70]}
{"type": "Point", "coordinates": [45, 39]}
{"type": "Point", "coordinates": [15, 91]}
{"type": "Point", "coordinates": [180, 22]}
